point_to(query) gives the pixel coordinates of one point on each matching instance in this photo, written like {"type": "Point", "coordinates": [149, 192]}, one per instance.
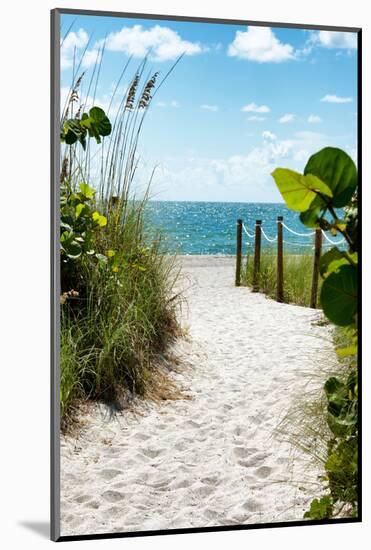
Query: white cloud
{"type": "Point", "coordinates": [245, 176]}
{"type": "Point", "coordinates": [212, 108]}
{"type": "Point", "coordinates": [90, 58]}
{"type": "Point", "coordinates": [162, 43]}
{"type": "Point", "coordinates": [74, 41]}
{"type": "Point", "coordinates": [314, 119]}
{"type": "Point", "coordinates": [269, 135]}
{"type": "Point", "coordinates": [260, 44]}
{"type": "Point", "coordinates": [336, 99]}
{"type": "Point", "coordinates": [239, 177]}
{"type": "Point", "coordinates": [256, 118]}
{"type": "Point", "coordinates": [254, 108]}
{"type": "Point", "coordinates": [288, 117]}
{"type": "Point", "coordinates": [174, 103]}
{"type": "Point", "coordinates": [336, 39]}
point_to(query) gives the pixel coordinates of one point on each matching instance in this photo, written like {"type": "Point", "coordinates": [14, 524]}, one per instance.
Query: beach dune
{"type": "Point", "coordinates": [214, 458]}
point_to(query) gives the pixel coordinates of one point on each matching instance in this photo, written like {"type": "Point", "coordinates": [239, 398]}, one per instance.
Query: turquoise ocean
{"type": "Point", "coordinates": [210, 227]}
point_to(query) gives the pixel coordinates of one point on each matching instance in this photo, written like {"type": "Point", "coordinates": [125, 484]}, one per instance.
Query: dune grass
{"type": "Point", "coordinates": [118, 302]}
{"type": "Point", "coordinates": [297, 273]}
{"type": "Point", "coordinates": [305, 425]}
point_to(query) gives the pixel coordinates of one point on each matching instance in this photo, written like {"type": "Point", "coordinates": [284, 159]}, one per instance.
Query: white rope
{"type": "Point", "coordinates": [296, 233]}
{"type": "Point", "coordinates": [268, 238]}
{"type": "Point", "coordinates": [246, 231]}
{"type": "Point", "coordinates": [330, 240]}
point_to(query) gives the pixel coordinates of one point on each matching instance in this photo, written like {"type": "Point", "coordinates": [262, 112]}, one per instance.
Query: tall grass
{"type": "Point", "coordinates": [297, 275]}
{"type": "Point", "coordinates": [305, 425]}
{"type": "Point", "coordinates": [116, 320]}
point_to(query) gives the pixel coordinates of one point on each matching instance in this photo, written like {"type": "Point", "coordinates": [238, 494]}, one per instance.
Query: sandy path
{"type": "Point", "coordinates": [214, 459]}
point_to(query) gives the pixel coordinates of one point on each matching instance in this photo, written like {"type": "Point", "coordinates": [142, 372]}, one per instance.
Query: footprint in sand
{"type": "Point", "coordinates": [112, 496]}
{"type": "Point", "coordinates": [244, 452]}
{"type": "Point", "coordinates": [251, 462]}
{"type": "Point", "coordinates": [142, 437]}
{"type": "Point", "coordinates": [263, 471]}
{"type": "Point", "coordinates": [193, 424]}
{"type": "Point", "coordinates": [110, 473]}
{"type": "Point", "coordinates": [182, 484]}
{"type": "Point", "coordinates": [93, 504]}
{"type": "Point", "coordinates": [202, 491]}
{"type": "Point", "coordinates": [252, 505]}
{"type": "Point", "coordinates": [211, 480]}
{"type": "Point", "coordinates": [82, 499]}
{"type": "Point", "coordinates": [152, 453]}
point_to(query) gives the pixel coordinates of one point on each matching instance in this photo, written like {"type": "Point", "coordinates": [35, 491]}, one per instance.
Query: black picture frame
{"type": "Point", "coordinates": [55, 269]}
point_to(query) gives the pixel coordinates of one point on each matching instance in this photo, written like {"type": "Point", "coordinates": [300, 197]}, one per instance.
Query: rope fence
{"type": "Point", "coordinates": [317, 244]}
{"type": "Point", "coordinates": [330, 242]}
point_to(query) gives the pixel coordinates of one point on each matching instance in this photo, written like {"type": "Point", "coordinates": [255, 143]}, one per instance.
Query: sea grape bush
{"type": "Point", "coordinates": [329, 183]}
{"type": "Point", "coordinates": [80, 219]}
{"type": "Point", "coordinates": [96, 124]}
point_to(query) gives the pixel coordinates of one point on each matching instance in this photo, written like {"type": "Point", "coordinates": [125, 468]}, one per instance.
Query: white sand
{"type": "Point", "coordinates": [214, 459]}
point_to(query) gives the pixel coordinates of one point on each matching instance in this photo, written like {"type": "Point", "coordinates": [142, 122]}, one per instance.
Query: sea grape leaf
{"type": "Point", "coordinates": [332, 256]}
{"type": "Point", "coordinates": [87, 191]}
{"type": "Point", "coordinates": [311, 217]}
{"type": "Point", "coordinates": [80, 208]}
{"type": "Point", "coordinates": [339, 295]}
{"type": "Point", "coordinates": [333, 385]}
{"type": "Point", "coordinates": [337, 170]}
{"type": "Point", "coordinates": [297, 190]}
{"type": "Point", "coordinates": [320, 509]}
{"type": "Point", "coordinates": [73, 250]}
{"type": "Point", "coordinates": [73, 131]}
{"type": "Point", "coordinates": [101, 121]}
{"type": "Point", "coordinates": [99, 219]}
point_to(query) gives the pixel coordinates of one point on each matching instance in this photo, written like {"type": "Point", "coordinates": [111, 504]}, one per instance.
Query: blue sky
{"type": "Point", "coordinates": [242, 101]}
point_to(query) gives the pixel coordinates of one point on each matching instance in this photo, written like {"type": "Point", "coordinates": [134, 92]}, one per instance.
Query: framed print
{"type": "Point", "coordinates": [206, 244]}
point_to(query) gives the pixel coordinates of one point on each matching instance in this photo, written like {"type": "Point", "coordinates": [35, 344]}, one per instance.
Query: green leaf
{"type": "Point", "coordinates": [310, 218]}
{"type": "Point", "coordinates": [97, 114]}
{"type": "Point", "coordinates": [73, 250]}
{"type": "Point", "coordinates": [331, 258]}
{"type": "Point", "coordinates": [320, 509]}
{"type": "Point", "coordinates": [66, 237]}
{"type": "Point", "coordinates": [87, 191]}
{"type": "Point", "coordinates": [101, 121]}
{"type": "Point", "coordinates": [99, 219]}
{"type": "Point", "coordinates": [79, 209]}
{"type": "Point", "coordinates": [66, 226]}
{"type": "Point", "coordinates": [85, 120]}
{"type": "Point", "coordinates": [337, 170]}
{"type": "Point", "coordinates": [297, 190]}
{"type": "Point", "coordinates": [73, 131]}
{"type": "Point", "coordinates": [333, 385]}
{"type": "Point", "coordinates": [348, 351]}
{"type": "Point", "coordinates": [339, 295]}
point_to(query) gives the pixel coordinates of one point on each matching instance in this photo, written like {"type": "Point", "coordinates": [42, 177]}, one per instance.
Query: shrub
{"type": "Point", "coordinates": [118, 308]}
{"type": "Point", "coordinates": [330, 181]}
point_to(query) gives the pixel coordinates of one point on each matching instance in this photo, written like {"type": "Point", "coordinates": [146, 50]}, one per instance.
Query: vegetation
{"type": "Point", "coordinates": [297, 275]}
{"type": "Point", "coordinates": [329, 181]}
{"type": "Point", "coordinates": [118, 304]}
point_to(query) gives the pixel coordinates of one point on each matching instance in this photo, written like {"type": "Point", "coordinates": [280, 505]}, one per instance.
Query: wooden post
{"type": "Point", "coordinates": [238, 252]}
{"type": "Point", "coordinates": [279, 259]}
{"type": "Point", "coordinates": [317, 257]}
{"type": "Point", "coordinates": [258, 236]}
